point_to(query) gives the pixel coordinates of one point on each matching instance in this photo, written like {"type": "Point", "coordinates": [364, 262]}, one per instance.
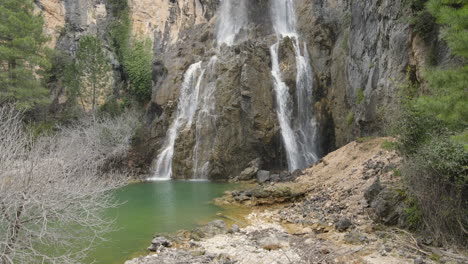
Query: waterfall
{"type": "Point", "coordinates": [185, 112]}
{"type": "Point", "coordinates": [231, 19]}
{"type": "Point", "coordinates": [205, 125]}
{"type": "Point", "coordinates": [298, 133]}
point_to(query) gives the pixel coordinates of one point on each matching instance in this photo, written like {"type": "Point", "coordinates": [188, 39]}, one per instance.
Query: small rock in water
{"type": "Point", "coordinates": [343, 224]}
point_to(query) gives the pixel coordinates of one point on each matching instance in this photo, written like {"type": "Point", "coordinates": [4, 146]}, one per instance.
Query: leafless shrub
{"type": "Point", "coordinates": [52, 189]}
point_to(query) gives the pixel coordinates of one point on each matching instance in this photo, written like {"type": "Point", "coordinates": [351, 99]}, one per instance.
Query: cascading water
{"type": "Point", "coordinates": [231, 19]}
{"type": "Point", "coordinates": [197, 102]}
{"type": "Point", "coordinates": [186, 108]}
{"type": "Point", "coordinates": [205, 128]}
{"type": "Point", "coordinates": [299, 133]}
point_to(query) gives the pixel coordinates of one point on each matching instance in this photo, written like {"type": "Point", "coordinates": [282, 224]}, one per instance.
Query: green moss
{"type": "Point", "coordinates": [344, 43]}
{"type": "Point", "coordinates": [435, 257]}
{"type": "Point", "coordinates": [387, 145]}
{"type": "Point", "coordinates": [359, 96]}
{"type": "Point", "coordinates": [364, 139]}
{"type": "Point", "coordinates": [350, 118]}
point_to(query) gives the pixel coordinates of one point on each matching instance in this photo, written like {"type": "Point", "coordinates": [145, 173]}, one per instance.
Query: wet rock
{"type": "Point", "coordinates": [250, 172]}
{"type": "Point", "coordinates": [158, 242]}
{"type": "Point", "coordinates": [343, 224]}
{"type": "Point", "coordinates": [263, 176]}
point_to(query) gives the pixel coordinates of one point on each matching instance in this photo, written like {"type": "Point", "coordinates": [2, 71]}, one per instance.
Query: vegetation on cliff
{"type": "Point", "coordinates": [135, 55]}
{"type": "Point", "coordinates": [433, 129]}
{"type": "Point", "coordinates": [22, 55]}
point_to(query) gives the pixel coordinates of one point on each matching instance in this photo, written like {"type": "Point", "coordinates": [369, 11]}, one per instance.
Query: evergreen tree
{"type": "Point", "coordinates": [93, 70]}
{"type": "Point", "coordinates": [449, 98]}
{"type": "Point", "coordinates": [22, 54]}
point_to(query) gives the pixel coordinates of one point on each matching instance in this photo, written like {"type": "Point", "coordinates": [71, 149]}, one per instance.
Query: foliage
{"type": "Point", "coordinates": [454, 15]}
{"type": "Point", "coordinates": [448, 99]}
{"type": "Point", "coordinates": [432, 132]}
{"type": "Point", "coordinates": [350, 118]}
{"type": "Point", "coordinates": [359, 96]}
{"type": "Point", "coordinates": [137, 64]}
{"type": "Point", "coordinates": [111, 107]}
{"type": "Point", "coordinates": [388, 145]}
{"type": "Point", "coordinates": [22, 55]}
{"type": "Point", "coordinates": [135, 56]}
{"type": "Point", "coordinates": [92, 68]}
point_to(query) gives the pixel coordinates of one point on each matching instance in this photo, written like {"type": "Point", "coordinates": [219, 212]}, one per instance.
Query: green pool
{"type": "Point", "coordinates": [150, 207]}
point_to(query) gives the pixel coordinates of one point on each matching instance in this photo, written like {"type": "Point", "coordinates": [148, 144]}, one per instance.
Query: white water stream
{"type": "Point", "coordinates": [205, 125]}
{"type": "Point", "coordinates": [186, 108]}
{"type": "Point", "coordinates": [232, 17]}
{"type": "Point", "coordinates": [298, 132]}
{"type": "Point", "coordinates": [197, 102]}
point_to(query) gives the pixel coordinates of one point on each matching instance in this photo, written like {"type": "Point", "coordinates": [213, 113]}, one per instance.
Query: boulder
{"type": "Point", "coordinates": [158, 242]}
{"type": "Point", "coordinates": [234, 229]}
{"type": "Point", "coordinates": [343, 224]}
{"type": "Point", "coordinates": [270, 243]}
{"type": "Point", "coordinates": [263, 176]}
{"type": "Point", "coordinates": [249, 172]}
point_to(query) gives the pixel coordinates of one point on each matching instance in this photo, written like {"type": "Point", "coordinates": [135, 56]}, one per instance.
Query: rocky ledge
{"type": "Point", "coordinates": [348, 208]}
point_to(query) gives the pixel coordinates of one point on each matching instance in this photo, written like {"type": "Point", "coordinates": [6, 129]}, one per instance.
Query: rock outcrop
{"type": "Point", "coordinates": [328, 223]}
{"type": "Point", "coordinates": [360, 52]}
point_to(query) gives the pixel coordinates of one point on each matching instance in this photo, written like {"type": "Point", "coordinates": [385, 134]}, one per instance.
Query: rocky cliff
{"type": "Point", "coordinates": [360, 51]}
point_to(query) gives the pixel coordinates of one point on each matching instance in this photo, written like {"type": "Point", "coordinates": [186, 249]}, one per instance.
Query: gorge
{"type": "Point", "coordinates": [284, 82]}
{"type": "Point", "coordinates": [233, 131]}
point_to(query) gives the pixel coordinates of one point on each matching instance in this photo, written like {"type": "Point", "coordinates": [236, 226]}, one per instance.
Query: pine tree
{"type": "Point", "coordinates": [449, 98]}
{"type": "Point", "coordinates": [93, 69]}
{"type": "Point", "coordinates": [22, 54]}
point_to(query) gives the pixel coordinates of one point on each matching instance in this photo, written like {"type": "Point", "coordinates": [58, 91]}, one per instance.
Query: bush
{"type": "Point", "coordinates": [54, 188]}
{"type": "Point", "coordinates": [436, 172]}
{"type": "Point", "coordinates": [135, 56]}
{"type": "Point", "coordinates": [424, 25]}
{"type": "Point", "coordinates": [137, 64]}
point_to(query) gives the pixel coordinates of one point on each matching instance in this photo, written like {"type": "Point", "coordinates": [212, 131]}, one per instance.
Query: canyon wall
{"type": "Point", "coordinates": [360, 52]}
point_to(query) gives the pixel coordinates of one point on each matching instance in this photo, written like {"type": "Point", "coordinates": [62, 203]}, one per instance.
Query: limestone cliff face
{"type": "Point", "coordinates": [163, 20]}
{"type": "Point", "coordinates": [65, 22]}
{"type": "Point", "coordinates": [360, 52]}
{"type": "Point", "coordinates": [53, 12]}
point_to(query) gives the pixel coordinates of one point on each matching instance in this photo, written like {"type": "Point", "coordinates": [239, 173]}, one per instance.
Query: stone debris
{"type": "Point", "coordinates": [329, 214]}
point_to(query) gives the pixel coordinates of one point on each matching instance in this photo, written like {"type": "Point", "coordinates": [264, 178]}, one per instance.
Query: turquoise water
{"type": "Point", "coordinates": [153, 207]}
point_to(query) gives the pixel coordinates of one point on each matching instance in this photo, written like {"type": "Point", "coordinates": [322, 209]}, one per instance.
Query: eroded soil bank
{"type": "Point", "coordinates": [347, 208]}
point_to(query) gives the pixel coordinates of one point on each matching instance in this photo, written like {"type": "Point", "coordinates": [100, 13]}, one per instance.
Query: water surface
{"type": "Point", "coordinates": [164, 206]}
